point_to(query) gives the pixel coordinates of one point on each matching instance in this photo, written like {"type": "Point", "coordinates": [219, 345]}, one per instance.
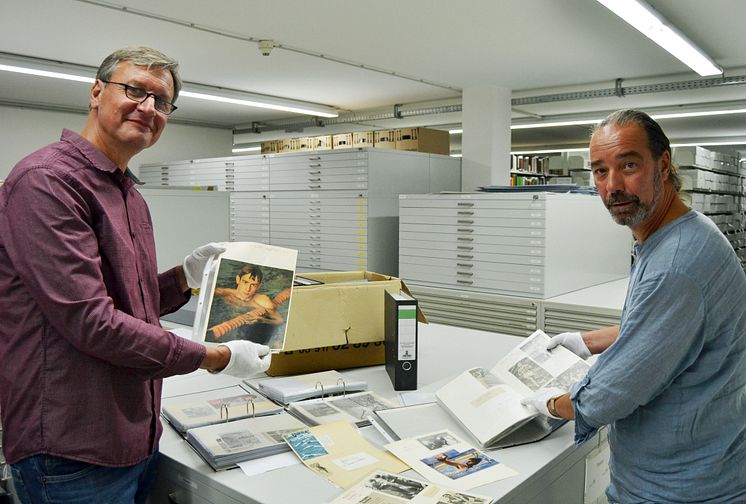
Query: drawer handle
{"type": "Point", "coordinates": [317, 179]}
{"type": "Point", "coordinates": [465, 256]}
{"type": "Point", "coordinates": [465, 230]}
{"type": "Point", "coordinates": [468, 282]}
{"type": "Point", "coordinates": [315, 158]}
{"type": "Point", "coordinates": [465, 221]}
{"type": "Point", "coordinates": [464, 212]}
{"type": "Point", "coordinates": [314, 172]}
{"type": "Point", "coordinates": [463, 238]}
{"type": "Point", "coordinates": [465, 273]}
{"type": "Point", "coordinates": [464, 247]}
{"type": "Point", "coordinates": [317, 186]}
{"type": "Point", "coordinates": [464, 265]}
{"type": "Point", "coordinates": [464, 204]}
{"type": "Point", "coordinates": [315, 165]}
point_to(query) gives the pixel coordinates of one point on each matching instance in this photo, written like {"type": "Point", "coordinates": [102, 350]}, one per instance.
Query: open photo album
{"type": "Point", "coordinates": [487, 402]}
{"type": "Point", "coordinates": [245, 294]}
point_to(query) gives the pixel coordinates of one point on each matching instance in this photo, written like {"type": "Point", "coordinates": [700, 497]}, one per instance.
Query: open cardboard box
{"type": "Point", "coordinates": [338, 324]}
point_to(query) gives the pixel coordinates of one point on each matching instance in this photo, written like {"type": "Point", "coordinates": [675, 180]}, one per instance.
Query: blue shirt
{"type": "Point", "coordinates": [672, 387]}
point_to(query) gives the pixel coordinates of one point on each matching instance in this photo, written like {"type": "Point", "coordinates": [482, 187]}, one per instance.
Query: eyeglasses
{"type": "Point", "coordinates": [139, 95]}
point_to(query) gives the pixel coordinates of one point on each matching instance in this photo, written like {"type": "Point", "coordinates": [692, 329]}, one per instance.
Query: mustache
{"type": "Point", "coordinates": [621, 198]}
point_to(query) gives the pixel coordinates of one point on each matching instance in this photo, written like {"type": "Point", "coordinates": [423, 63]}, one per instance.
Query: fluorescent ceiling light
{"type": "Point", "coordinates": [698, 114]}
{"type": "Point", "coordinates": [555, 123]}
{"type": "Point", "coordinates": [708, 144]}
{"type": "Point", "coordinates": [455, 131]}
{"type": "Point", "coordinates": [247, 149]}
{"type": "Point", "coordinates": [645, 19]}
{"type": "Point", "coordinates": [44, 73]}
{"type": "Point", "coordinates": [265, 102]}
{"type": "Point", "coordinates": [550, 151]}
{"type": "Point", "coordinates": [456, 155]}
{"type": "Point", "coordinates": [198, 91]}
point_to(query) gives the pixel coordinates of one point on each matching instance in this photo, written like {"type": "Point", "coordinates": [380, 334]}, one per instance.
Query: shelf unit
{"type": "Point", "coordinates": [713, 184]}
{"type": "Point", "coordinates": [338, 209]}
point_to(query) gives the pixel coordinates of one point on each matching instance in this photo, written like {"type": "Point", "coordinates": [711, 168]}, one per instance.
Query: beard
{"type": "Point", "coordinates": [636, 212]}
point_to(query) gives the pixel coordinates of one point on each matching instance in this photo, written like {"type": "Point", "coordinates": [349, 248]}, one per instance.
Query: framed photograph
{"type": "Point", "coordinates": [245, 294]}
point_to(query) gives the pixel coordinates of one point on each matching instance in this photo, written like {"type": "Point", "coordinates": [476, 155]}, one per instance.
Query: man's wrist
{"type": "Point", "coordinates": [216, 358]}
{"type": "Point", "coordinates": [552, 406]}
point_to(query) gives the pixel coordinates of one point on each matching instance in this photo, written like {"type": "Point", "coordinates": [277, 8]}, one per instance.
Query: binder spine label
{"type": "Point", "coordinates": [407, 343]}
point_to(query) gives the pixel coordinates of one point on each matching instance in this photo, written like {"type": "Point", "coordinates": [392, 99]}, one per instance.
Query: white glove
{"type": "Point", "coordinates": [194, 263]}
{"type": "Point", "coordinates": [573, 341]}
{"type": "Point", "coordinates": [540, 398]}
{"type": "Point", "coordinates": [247, 358]}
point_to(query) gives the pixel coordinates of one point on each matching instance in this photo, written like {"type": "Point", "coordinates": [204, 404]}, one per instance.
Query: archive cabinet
{"type": "Point", "coordinates": [527, 244]}
{"type": "Point", "coordinates": [338, 209]}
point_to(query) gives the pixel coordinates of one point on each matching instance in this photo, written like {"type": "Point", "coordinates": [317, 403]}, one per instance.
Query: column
{"type": "Point", "coordinates": [485, 142]}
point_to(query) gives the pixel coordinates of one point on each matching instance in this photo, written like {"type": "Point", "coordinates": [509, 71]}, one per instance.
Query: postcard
{"type": "Point", "coordinates": [446, 460]}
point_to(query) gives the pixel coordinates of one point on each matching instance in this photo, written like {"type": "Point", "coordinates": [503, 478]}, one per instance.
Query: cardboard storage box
{"type": "Point", "coordinates": [342, 141]}
{"type": "Point", "coordinates": [362, 139]}
{"type": "Point", "coordinates": [323, 142]}
{"type": "Point", "coordinates": [423, 140]}
{"type": "Point", "coordinates": [270, 147]}
{"type": "Point", "coordinates": [384, 139]}
{"type": "Point", "coordinates": [338, 324]}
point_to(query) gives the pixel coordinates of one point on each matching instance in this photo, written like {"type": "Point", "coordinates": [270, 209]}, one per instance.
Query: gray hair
{"type": "Point", "coordinates": [658, 142]}
{"type": "Point", "coordinates": [143, 57]}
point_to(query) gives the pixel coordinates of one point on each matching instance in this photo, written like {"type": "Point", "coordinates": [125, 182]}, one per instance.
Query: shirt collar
{"type": "Point", "coordinates": [659, 234]}
{"type": "Point", "coordinates": [98, 159]}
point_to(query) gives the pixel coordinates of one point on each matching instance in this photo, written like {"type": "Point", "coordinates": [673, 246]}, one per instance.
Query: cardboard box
{"type": "Point", "coordinates": [362, 139]}
{"type": "Point", "coordinates": [423, 140]}
{"type": "Point", "coordinates": [342, 141]}
{"type": "Point", "coordinates": [323, 142]}
{"type": "Point", "coordinates": [338, 324]}
{"type": "Point", "coordinates": [270, 147]}
{"type": "Point", "coordinates": [287, 145]}
{"type": "Point", "coordinates": [304, 143]}
{"type": "Point", "coordinates": [384, 139]}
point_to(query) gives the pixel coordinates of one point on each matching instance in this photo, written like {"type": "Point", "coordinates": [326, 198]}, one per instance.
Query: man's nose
{"type": "Point", "coordinates": [148, 105]}
{"type": "Point", "coordinates": [614, 182]}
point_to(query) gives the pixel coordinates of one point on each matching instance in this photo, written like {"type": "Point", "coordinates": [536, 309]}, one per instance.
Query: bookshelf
{"type": "Point", "coordinates": [713, 184]}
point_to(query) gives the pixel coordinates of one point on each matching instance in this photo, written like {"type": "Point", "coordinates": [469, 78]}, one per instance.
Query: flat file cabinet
{"type": "Point", "coordinates": [533, 245]}
{"type": "Point", "coordinates": [338, 209]}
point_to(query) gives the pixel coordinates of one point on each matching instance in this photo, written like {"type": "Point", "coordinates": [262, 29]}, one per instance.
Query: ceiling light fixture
{"type": "Point", "coordinates": [552, 124]}
{"type": "Point", "coordinates": [267, 102]}
{"type": "Point", "coordinates": [257, 148]}
{"type": "Point", "coordinates": [654, 26]}
{"type": "Point", "coordinates": [455, 131]}
{"type": "Point", "coordinates": [68, 71]}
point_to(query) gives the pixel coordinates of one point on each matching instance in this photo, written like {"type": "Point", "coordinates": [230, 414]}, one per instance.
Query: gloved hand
{"type": "Point", "coordinates": [539, 399]}
{"type": "Point", "coordinates": [194, 263]}
{"type": "Point", "coordinates": [573, 341]}
{"type": "Point", "coordinates": [247, 358]}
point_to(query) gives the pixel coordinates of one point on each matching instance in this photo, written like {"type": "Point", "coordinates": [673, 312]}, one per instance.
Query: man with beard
{"type": "Point", "coordinates": [670, 380]}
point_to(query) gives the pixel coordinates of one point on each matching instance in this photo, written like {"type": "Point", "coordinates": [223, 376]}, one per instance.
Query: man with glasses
{"type": "Point", "coordinates": [82, 350]}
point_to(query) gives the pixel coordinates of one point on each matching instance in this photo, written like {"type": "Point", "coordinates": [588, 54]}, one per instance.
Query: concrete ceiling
{"type": "Point", "coordinates": [362, 56]}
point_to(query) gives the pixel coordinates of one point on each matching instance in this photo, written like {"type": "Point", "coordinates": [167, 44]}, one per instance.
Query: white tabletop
{"type": "Point", "coordinates": [444, 351]}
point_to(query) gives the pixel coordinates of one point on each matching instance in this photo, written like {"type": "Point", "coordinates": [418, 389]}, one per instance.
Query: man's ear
{"type": "Point", "coordinates": [96, 91]}
{"type": "Point", "coordinates": [665, 165]}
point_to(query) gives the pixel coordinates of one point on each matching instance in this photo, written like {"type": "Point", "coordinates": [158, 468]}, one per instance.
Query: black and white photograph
{"type": "Point", "coordinates": [484, 377]}
{"type": "Point", "coordinates": [238, 441]}
{"type": "Point", "coordinates": [437, 441]}
{"type": "Point", "coordinates": [531, 374]}
{"type": "Point", "coordinates": [395, 485]}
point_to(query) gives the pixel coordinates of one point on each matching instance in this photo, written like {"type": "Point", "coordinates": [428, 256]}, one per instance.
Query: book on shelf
{"type": "Point", "coordinates": [189, 411]}
{"type": "Point", "coordinates": [487, 402]}
{"type": "Point", "coordinates": [445, 459]}
{"type": "Point", "coordinates": [224, 445]}
{"type": "Point", "coordinates": [386, 488]}
{"type": "Point", "coordinates": [289, 389]}
{"type": "Point", "coordinates": [339, 453]}
{"type": "Point", "coordinates": [245, 294]}
{"type": "Point", "coordinates": [355, 408]}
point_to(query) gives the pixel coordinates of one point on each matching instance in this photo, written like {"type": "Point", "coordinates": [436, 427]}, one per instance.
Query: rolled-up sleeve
{"type": "Point", "coordinates": [658, 339]}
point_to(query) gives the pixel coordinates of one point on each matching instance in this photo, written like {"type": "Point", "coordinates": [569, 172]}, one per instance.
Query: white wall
{"type": "Point", "coordinates": [23, 131]}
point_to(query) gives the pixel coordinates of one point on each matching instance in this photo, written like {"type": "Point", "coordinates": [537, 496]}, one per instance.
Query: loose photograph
{"type": "Point", "coordinates": [454, 464]}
